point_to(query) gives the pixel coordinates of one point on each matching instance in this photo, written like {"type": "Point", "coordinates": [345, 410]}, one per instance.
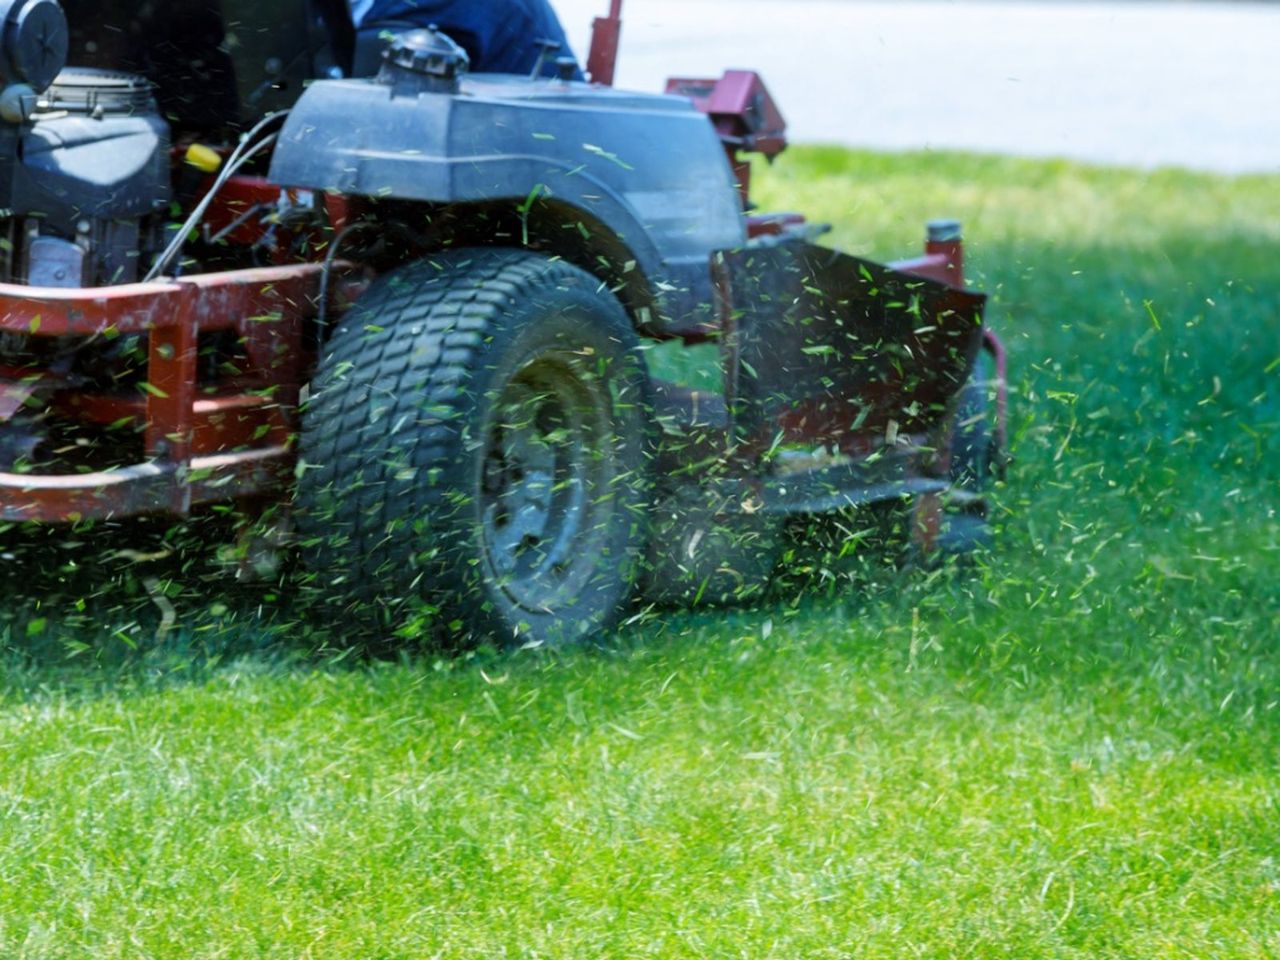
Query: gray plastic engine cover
{"type": "Point", "coordinates": [648, 167]}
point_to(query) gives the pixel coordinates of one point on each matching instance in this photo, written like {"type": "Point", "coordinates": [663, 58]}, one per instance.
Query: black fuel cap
{"type": "Point", "coordinates": [429, 58]}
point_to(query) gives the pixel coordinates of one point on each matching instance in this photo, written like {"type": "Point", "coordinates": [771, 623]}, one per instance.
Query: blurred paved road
{"type": "Point", "coordinates": [1135, 83]}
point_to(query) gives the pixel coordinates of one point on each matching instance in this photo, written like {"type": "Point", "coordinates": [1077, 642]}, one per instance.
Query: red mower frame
{"type": "Point", "coordinates": [232, 439]}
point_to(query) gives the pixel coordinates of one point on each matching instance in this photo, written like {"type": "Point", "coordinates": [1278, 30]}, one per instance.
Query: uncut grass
{"type": "Point", "coordinates": [1069, 750]}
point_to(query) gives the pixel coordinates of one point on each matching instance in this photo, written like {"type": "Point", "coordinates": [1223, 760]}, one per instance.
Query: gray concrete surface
{"type": "Point", "coordinates": [1135, 83]}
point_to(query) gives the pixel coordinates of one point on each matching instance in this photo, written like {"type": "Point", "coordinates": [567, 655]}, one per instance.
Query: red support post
{"type": "Point", "coordinates": [606, 32]}
{"type": "Point", "coordinates": [943, 239]}
{"type": "Point", "coordinates": [171, 391]}
{"type": "Point", "coordinates": [943, 258]}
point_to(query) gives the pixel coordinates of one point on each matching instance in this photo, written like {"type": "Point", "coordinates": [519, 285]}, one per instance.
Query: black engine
{"type": "Point", "coordinates": [84, 159]}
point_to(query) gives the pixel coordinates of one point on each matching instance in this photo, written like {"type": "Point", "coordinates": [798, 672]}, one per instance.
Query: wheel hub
{"type": "Point", "coordinates": [544, 457]}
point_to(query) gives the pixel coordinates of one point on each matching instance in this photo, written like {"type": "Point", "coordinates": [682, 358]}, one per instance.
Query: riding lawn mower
{"type": "Point", "coordinates": [515, 350]}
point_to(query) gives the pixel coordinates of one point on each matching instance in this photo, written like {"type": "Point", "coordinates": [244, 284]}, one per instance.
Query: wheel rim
{"type": "Point", "coordinates": [548, 462]}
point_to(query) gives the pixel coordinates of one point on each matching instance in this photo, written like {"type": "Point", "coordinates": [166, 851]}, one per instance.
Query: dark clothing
{"type": "Point", "coordinates": [179, 45]}
{"type": "Point", "coordinates": [500, 36]}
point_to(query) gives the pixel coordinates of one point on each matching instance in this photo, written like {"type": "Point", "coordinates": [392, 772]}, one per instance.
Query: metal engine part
{"type": "Point", "coordinates": [82, 177]}
{"type": "Point", "coordinates": [33, 44]}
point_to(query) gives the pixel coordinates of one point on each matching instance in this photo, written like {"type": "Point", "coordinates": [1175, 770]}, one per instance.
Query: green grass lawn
{"type": "Point", "coordinates": [1071, 751]}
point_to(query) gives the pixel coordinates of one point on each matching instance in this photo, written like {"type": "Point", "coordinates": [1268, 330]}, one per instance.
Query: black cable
{"type": "Point", "coordinates": [330, 257]}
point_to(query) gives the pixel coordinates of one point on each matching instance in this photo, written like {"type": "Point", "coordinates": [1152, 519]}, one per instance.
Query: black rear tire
{"type": "Point", "coordinates": [475, 451]}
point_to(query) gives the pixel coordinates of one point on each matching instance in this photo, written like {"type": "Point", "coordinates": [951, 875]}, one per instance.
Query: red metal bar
{"type": "Point", "coordinates": [265, 306]}
{"type": "Point", "coordinates": [142, 487]}
{"type": "Point", "coordinates": [226, 300]}
{"type": "Point", "coordinates": [246, 473]}
{"type": "Point", "coordinates": [220, 423]}
{"type": "Point", "coordinates": [171, 389]}
{"type": "Point", "coordinates": [606, 33]}
{"type": "Point", "coordinates": [943, 260]}
{"type": "Point", "coordinates": [58, 312]}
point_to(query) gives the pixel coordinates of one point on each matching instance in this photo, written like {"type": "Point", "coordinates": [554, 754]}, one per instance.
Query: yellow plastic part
{"type": "Point", "coordinates": [205, 159]}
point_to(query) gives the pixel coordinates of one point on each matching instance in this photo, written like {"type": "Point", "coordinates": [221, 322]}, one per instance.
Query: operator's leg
{"type": "Point", "coordinates": [500, 36]}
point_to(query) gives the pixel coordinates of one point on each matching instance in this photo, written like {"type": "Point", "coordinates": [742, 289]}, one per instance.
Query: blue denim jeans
{"type": "Point", "coordinates": [500, 36]}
